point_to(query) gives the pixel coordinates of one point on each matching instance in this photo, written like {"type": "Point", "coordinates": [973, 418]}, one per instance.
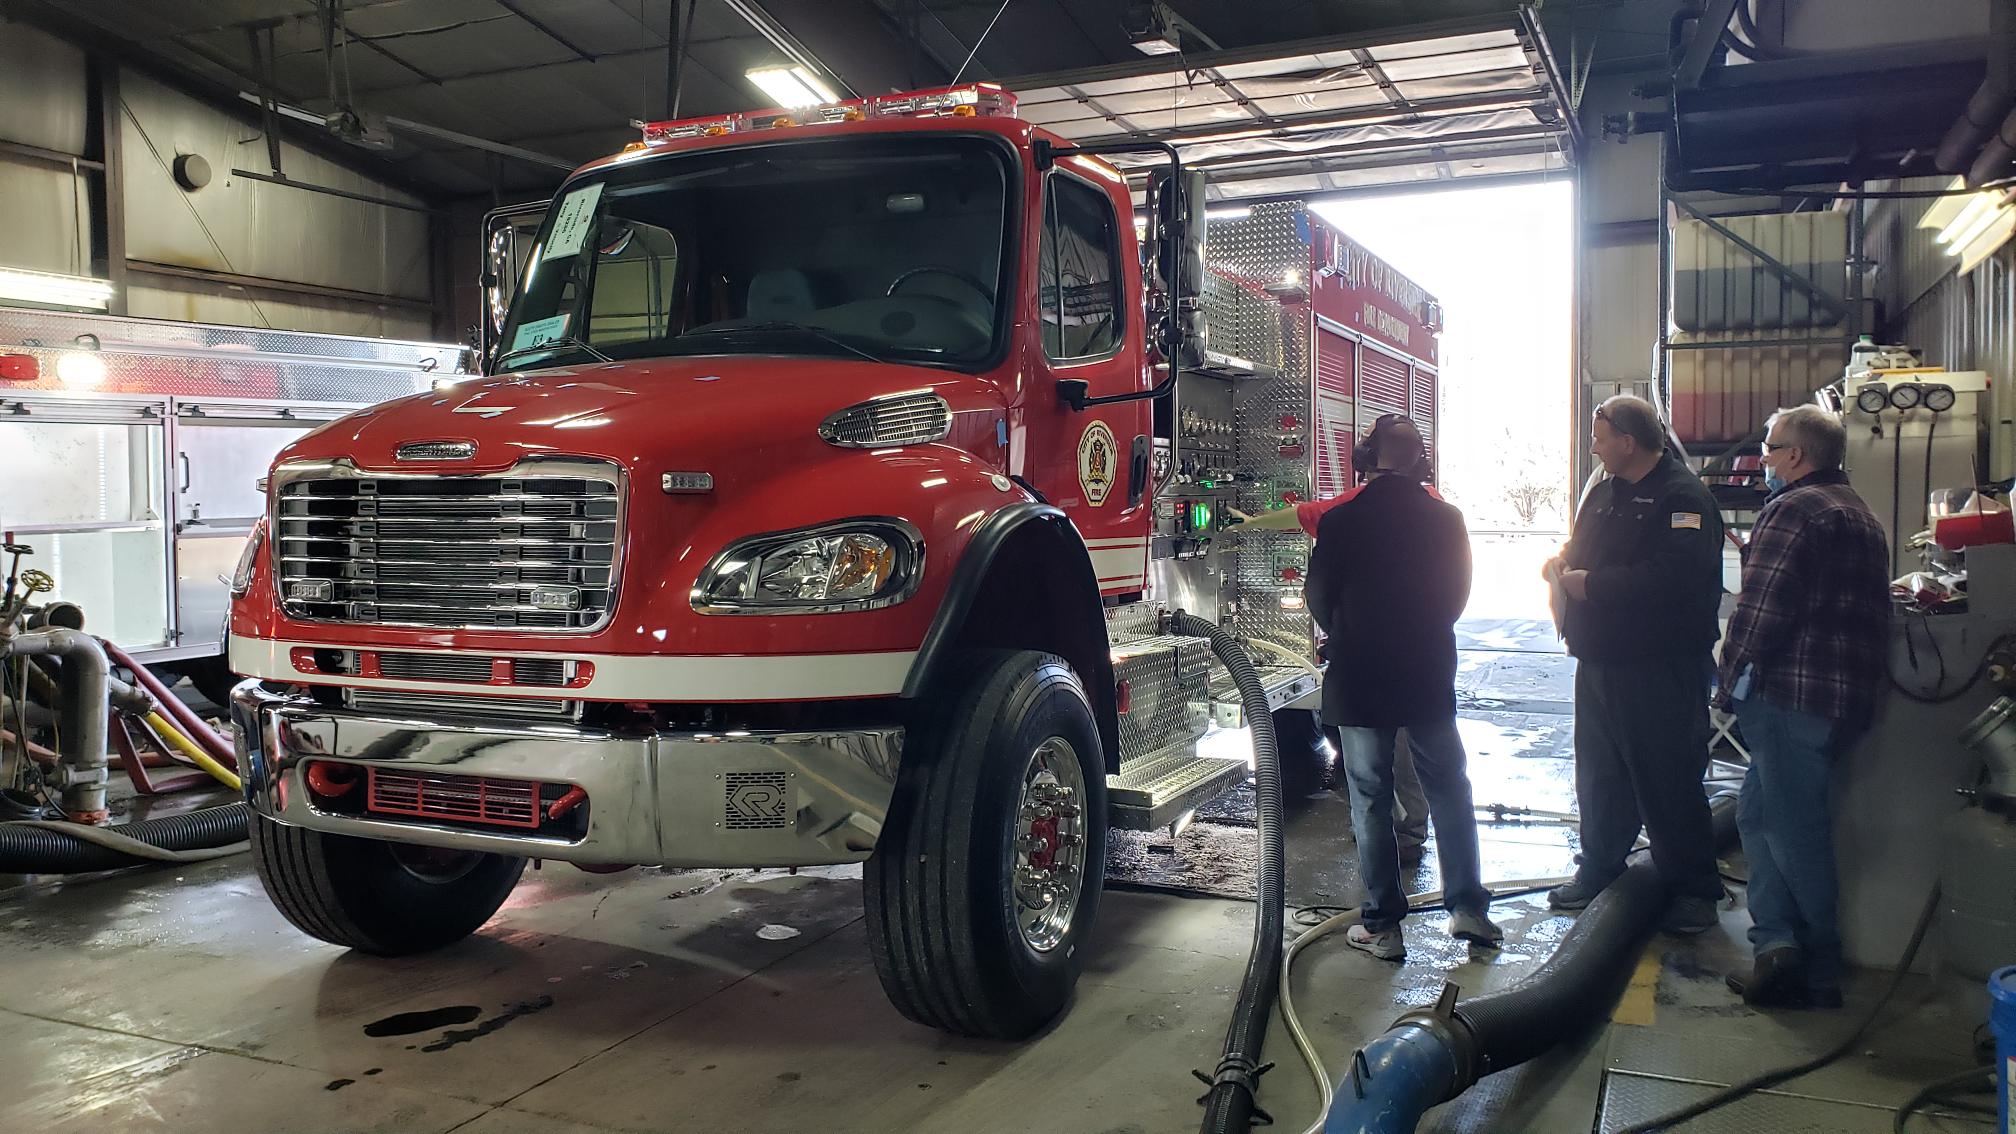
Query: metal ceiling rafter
{"type": "Point", "coordinates": [1287, 127]}
{"type": "Point", "coordinates": [1381, 146]}
{"type": "Point", "coordinates": [1421, 100]}
{"type": "Point", "coordinates": [539, 26]}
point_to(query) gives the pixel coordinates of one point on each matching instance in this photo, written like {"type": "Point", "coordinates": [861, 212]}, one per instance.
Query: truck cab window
{"type": "Point", "coordinates": [890, 248]}
{"type": "Point", "coordinates": [1080, 261]}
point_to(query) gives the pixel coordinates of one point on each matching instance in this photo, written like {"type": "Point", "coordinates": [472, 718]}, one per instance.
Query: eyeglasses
{"type": "Point", "coordinates": [1771, 448]}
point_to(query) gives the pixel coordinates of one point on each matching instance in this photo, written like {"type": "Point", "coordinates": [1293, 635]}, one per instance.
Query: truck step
{"type": "Point", "coordinates": [1155, 791]}
{"type": "Point", "coordinates": [1285, 685]}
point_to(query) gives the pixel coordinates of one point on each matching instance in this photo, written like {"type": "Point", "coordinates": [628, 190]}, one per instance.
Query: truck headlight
{"type": "Point", "coordinates": [241, 576]}
{"type": "Point", "coordinates": [850, 565]}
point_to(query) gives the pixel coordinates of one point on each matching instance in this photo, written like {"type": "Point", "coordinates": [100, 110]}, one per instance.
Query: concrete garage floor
{"type": "Point", "coordinates": [177, 999]}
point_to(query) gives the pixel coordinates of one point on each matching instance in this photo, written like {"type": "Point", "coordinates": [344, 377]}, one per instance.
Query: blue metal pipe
{"type": "Point", "coordinates": [1393, 1081]}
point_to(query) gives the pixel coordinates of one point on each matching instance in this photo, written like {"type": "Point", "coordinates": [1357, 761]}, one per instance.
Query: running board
{"type": "Point", "coordinates": [1156, 791]}
{"type": "Point", "coordinates": [1285, 686]}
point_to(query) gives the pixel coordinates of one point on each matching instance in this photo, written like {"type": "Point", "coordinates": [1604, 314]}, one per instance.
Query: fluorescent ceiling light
{"type": "Point", "coordinates": [54, 290]}
{"type": "Point", "coordinates": [792, 88]}
{"type": "Point", "coordinates": [1977, 214]}
{"type": "Point", "coordinates": [1158, 45]}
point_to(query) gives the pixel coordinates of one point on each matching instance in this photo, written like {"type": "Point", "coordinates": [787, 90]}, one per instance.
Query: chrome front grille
{"type": "Point", "coordinates": [532, 549]}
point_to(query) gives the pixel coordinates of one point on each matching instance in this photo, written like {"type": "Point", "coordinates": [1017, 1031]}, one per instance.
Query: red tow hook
{"type": "Point", "coordinates": [575, 797]}
{"type": "Point", "coordinates": [330, 781]}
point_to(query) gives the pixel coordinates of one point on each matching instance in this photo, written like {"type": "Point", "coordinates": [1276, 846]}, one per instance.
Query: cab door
{"type": "Point", "coordinates": [1095, 464]}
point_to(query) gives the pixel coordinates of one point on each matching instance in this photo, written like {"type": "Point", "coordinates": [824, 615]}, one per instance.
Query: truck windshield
{"type": "Point", "coordinates": [889, 248]}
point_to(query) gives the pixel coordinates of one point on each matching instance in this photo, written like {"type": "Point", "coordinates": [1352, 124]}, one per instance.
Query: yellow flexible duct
{"type": "Point", "coordinates": [192, 750]}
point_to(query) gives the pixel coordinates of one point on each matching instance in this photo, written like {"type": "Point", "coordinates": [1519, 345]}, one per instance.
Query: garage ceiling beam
{"type": "Point", "coordinates": [513, 8]}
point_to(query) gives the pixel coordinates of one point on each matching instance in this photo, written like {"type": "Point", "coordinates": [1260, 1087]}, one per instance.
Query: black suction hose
{"type": "Point", "coordinates": [1433, 1055]}
{"type": "Point", "coordinates": [1582, 977]}
{"type": "Point", "coordinates": [37, 849]}
{"type": "Point", "coordinates": [1228, 1105]}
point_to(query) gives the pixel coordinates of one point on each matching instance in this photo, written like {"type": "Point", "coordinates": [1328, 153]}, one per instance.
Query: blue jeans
{"type": "Point", "coordinates": [1438, 760]}
{"type": "Point", "coordinates": [1788, 836]}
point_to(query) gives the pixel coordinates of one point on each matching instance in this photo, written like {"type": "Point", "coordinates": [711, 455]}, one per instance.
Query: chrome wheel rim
{"type": "Point", "coordinates": [1047, 856]}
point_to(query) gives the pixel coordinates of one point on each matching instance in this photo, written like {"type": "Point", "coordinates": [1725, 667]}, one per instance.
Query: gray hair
{"type": "Point", "coordinates": [1819, 433]}
{"type": "Point", "coordinates": [1635, 418]}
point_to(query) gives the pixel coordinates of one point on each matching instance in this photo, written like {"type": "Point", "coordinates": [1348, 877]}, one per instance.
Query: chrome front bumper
{"type": "Point", "coordinates": [670, 798]}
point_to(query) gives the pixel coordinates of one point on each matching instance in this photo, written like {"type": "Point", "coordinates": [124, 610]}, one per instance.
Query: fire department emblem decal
{"type": "Point", "coordinates": [1097, 455]}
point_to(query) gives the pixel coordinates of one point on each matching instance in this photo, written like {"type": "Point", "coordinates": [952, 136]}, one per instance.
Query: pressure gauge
{"type": "Point", "coordinates": [1871, 399]}
{"type": "Point", "coordinates": [1939, 399]}
{"type": "Point", "coordinates": [1906, 395]}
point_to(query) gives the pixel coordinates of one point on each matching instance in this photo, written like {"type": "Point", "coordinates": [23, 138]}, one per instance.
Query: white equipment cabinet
{"type": "Point", "coordinates": [131, 449]}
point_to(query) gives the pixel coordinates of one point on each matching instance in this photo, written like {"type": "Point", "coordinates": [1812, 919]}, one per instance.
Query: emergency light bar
{"type": "Point", "coordinates": [970, 101]}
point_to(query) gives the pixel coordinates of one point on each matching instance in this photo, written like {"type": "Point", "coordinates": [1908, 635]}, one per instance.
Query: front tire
{"type": "Point", "coordinates": [985, 884]}
{"type": "Point", "coordinates": [377, 897]}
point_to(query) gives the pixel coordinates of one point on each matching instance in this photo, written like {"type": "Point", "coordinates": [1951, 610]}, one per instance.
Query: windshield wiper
{"type": "Point", "coordinates": [786, 325]}
{"type": "Point", "coordinates": [550, 344]}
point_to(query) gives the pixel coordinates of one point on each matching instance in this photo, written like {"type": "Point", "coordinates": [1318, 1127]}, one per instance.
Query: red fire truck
{"type": "Point", "coordinates": [821, 504]}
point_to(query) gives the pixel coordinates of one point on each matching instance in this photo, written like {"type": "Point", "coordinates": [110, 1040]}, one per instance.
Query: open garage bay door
{"type": "Point", "coordinates": [1452, 101]}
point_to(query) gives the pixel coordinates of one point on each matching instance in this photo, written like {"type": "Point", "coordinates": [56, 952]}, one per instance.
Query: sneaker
{"type": "Point", "coordinates": [1476, 928]}
{"type": "Point", "coordinates": [1777, 979]}
{"type": "Point", "coordinates": [1573, 896]}
{"type": "Point", "coordinates": [1387, 944]}
{"type": "Point", "coordinates": [1688, 916]}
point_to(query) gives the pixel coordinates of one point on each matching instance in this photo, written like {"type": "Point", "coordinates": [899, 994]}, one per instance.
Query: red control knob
{"type": "Point", "coordinates": [1291, 574]}
{"type": "Point", "coordinates": [1289, 422]}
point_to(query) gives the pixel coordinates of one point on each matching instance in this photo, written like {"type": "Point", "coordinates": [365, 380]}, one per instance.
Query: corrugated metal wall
{"type": "Point", "coordinates": [43, 207]}
{"type": "Point", "coordinates": [253, 228]}
{"type": "Point", "coordinates": [1959, 322]}
{"type": "Point", "coordinates": [234, 225]}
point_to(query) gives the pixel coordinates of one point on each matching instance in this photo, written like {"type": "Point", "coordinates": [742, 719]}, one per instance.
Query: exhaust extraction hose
{"type": "Point", "coordinates": [73, 848]}
{"type": "Point", "coordinates": [1431, 1056]}
{"type": "Point", "coordinates": [1228, 1105]}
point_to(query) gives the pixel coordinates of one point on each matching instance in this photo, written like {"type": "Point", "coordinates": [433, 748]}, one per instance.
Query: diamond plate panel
{"type": "Point", "coordinates": [1630, 1099]}
{"type": "Point", "coordinates": [1168, 691]}
{"type": "Point", "coordinates": [1272, 244]}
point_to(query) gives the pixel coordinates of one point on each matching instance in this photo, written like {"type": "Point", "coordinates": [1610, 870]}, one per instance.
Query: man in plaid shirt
{"type": "Point", "coordinates": [1802, 664]}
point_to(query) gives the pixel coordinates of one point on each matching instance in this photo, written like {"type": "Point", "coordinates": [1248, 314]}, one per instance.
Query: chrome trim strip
{"type": "Point", "coordinates": [342, 468]}
{"type": "Point", "coordinates": [653, 797]}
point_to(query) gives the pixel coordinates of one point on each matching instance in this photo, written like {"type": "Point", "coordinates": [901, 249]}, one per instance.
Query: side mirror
{"type": "Point", "coordinates": [1178, 228]}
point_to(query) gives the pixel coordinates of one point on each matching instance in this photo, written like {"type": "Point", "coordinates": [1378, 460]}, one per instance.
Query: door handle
{"type": "Point", "coordinates": [183, 460]}
{"type": "Point", "coordinates": [1137, 470]}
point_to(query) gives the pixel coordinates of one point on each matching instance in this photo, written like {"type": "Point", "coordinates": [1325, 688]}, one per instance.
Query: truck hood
{"type": "Point", "coordinates": [693, 411]}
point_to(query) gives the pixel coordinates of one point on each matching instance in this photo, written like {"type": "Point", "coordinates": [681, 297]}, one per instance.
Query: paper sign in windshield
{"type": "Point", "coordinates": [539, 332]}
{"type": "Point", "coordinates": [571, 223]}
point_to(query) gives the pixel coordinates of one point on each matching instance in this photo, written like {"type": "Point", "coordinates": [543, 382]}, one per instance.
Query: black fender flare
{"type": "Point", "coordinates": [1071, 591]}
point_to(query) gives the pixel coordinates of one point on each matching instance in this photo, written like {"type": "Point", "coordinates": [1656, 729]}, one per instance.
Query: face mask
{"type": "Point", "coordinates": [1772, 481]}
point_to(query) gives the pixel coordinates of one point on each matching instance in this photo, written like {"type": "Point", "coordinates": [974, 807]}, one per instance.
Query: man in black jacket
{"type": "Point", "coordinates": [1388, 579]}
{"type": "Point", "coordinates": [1642, 579]}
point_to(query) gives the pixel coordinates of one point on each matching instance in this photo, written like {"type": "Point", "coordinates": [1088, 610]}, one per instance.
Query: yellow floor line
{"type": "Point", "coordinates": [1640, 1005]}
